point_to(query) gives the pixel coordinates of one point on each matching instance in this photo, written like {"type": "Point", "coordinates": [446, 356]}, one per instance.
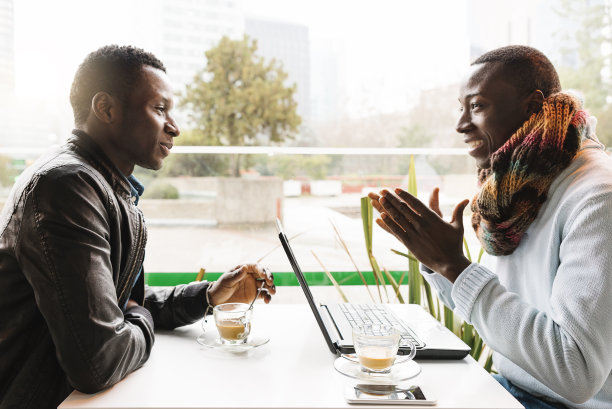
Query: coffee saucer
{"type": "Point", "coordinates": [210, 339]}
{"type": "Point", "coordinates": [403, 369]}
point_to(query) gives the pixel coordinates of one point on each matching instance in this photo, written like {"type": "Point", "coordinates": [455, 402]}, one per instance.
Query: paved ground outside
{"type": "Point", "coordinates": [308, 220]}
{"type": "Point", "coordinates": [308, 224]}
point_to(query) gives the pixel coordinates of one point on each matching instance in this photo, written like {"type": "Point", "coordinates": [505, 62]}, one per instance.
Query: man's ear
{"type": "Point", "coordinates": [534, 102]}
{"type": "Point", "coordinates": [104, 107]}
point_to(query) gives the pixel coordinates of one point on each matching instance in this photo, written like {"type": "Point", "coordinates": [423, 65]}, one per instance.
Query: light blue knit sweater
{"type": "Point", "coordinates": [546, 309]}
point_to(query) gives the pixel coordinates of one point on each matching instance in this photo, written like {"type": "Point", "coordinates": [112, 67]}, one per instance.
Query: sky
{"type": "Point", "coordinates": [387, 51]}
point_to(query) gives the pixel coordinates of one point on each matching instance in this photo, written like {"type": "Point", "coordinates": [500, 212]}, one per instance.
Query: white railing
{"type": "Point", "coordinates": [281, 150]}
{"type": "Point", "coordinates": [277, 150]}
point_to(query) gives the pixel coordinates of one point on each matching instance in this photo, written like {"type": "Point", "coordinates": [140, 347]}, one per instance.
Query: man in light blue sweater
{"type": "Point", "coordinates": [542, 297]}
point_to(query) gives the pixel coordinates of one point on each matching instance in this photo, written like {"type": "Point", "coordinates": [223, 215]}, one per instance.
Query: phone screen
{"type": "Point", "coordinates": [389, 394]}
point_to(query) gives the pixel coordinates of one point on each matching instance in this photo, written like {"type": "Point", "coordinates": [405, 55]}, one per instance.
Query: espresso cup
{"type": "Point", "coordinates": [376, 347]}
{"type": "Point", "coordinates": [233, 321]}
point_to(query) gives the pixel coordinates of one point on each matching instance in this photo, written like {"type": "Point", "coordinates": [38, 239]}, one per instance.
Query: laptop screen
{"type": "Point", "coordinates": [304, 285]}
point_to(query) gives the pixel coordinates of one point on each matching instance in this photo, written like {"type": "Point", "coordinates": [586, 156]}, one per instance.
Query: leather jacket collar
{"type": "Point", "coordinates": [85, 145]}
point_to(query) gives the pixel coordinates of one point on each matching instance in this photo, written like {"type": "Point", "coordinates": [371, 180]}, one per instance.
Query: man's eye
{"type": "Point", "coordinates": [475, 106]}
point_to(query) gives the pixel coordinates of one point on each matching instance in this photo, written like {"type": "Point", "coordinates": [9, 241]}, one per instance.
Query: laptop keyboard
{"type": "Point", "coordinates": [363, 314]}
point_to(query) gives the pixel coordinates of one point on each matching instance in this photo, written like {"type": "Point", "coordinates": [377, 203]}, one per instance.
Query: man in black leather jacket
{"type": "Point", "coordinates": [74, 310]}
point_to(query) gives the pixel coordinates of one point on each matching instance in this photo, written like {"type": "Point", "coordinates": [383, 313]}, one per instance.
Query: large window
{"type": "Point", "coordinates": [356, 89]}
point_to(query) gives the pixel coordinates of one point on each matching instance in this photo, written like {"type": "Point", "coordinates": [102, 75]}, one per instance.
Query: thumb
{"type": "Point", "coordinates": [457, 219]}
{"type": "Point", "coordinates": [434, 201]}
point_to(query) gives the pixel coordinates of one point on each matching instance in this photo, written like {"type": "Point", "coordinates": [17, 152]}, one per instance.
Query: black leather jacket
{"type": "Point", "coordinates": [72, 243]}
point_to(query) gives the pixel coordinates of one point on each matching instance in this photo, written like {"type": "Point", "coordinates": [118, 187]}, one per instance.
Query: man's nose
{"type": "Point", "coordinates": [464, 122]}
{"type": "Point", "coordinates": [172, 127]}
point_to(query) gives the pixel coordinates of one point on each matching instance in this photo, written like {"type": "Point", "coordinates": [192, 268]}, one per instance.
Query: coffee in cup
{"type": "Point", "coordinates": [376, 347]}
{"type": "Point", "coordinates": [233, 321]}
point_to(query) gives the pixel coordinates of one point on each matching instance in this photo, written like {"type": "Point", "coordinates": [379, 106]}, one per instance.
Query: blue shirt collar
{"type": "Point", "coordinates": [136, 187]}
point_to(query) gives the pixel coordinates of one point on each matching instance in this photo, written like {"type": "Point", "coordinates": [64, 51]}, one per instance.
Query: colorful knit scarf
{"type": "Point", "coordinates": [516, 185]}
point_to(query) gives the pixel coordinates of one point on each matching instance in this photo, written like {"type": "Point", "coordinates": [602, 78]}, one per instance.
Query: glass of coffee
{"type": "Point", "coordinates": [376, 347]}
{"type": "Point", "coordinates": [233, 321]}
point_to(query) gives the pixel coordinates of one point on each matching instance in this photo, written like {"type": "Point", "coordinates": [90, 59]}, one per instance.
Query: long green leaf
{"type": "Point", "coordinates": [367, 214]}
{"type": "Point", "coordinates": [451, 322]}
{"type": "Point", "coordinates": [467, 335]}
{"type": "Point", "coordinates": [408, 256]}
{"type": "Point", "coordinates": [415, 280]}
{"type": "Point", "coordinates": [395, 285]}
{"type": "Point", "coordinates": [467, 249]}
{"type": "Point", "coordinates": [345, 247]}
{"type": "Point", "coordinates": [331, 278]}
{"type": "Point", "coordinates": [379, 276]}
{"type": "Point", "coordinates": [401, 279]}
{"type": "Point", "coordinates": [412, 184]}
{"type": "Point", "coordinates": [415, 283]}
{"type": "Point", "coordinates": [429, 296]}
{"type": "Point", "coordinates": [482, 250]}
{"type": "Point", "coordinates": [478, 344]}
{"type": "Point", "coordinates": [488, 366]}
{"type": "Point", "coordinates": [366, 219]}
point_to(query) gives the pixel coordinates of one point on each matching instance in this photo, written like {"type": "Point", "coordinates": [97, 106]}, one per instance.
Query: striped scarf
{"type": "Point", "coordinates": [516, 185]}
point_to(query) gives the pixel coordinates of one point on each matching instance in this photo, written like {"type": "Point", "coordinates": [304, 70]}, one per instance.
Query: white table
{"type": "Point", "coordinates": [294, 370]}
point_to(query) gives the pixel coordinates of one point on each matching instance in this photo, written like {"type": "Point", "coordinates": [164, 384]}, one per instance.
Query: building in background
{"type": "Point", "coordinates": [288, 43]}
{"type": "Point", "coordinates": [536, 23]}
{"type": "Point", "coordinates": [326, 95]}
{"type": "Point", "coordinates": [188, 28]}
{"type": "Point", "coordinates": [7, 49]}
{"type": "Point", "coordinates": [7, 71]}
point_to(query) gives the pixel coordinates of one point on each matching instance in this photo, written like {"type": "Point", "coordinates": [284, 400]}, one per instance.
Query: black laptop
{"type": "Point", "coordinates": [432, 339]}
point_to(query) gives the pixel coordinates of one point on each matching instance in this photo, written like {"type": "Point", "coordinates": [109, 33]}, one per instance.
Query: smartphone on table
{"type": "Point", "coordinates": [387, 395]}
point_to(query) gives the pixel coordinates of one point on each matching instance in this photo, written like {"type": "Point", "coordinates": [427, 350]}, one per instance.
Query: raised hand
{"type": "Point", "coordinates": [434, 242]}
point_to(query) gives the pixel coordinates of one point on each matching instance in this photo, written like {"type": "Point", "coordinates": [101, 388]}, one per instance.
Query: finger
{"type": "Point", "coordinates": [390, 201]}
{"type": "Point", "coordinates": [457, 219]}
{"type": "Point", "coordinates": [373, 196]}
{"type": "Point", "coordinates": [268, 289]}
{"type": "Point", "coordinates": [415, 204]}
{"type": "Point", "coordinates": [375, 200]}
{"type": "Point", "coordinates": [398, 211]}
{"type": "Point", "coordinates": [397, 230]}
{"type": "Point", "coordinates": [264, 295]}
{"type": "Point", "coordinates": [376, 205]}
{"type": "Point", "coordinates": [382, 224]}
{"type": "Point", "coordinates": [260, 273]}
{"type": "Point", "coordinates": [269, 277]}
{"type": "Point", "coordinates": [434, 201]}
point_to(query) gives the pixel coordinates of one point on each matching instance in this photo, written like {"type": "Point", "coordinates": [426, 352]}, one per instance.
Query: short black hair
{"type": "Point", "coordinates": [113, 69]}
{"type": "Point", "coordinates": [527, 68]}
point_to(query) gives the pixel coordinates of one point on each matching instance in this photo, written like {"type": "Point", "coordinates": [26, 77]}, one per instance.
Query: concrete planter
{"type": "Point", "coordinates": [248, 201]}
{"type": "Point", "coordinates": [217, 201]}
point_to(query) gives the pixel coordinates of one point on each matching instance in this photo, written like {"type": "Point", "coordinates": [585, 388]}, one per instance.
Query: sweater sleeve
{"type": "Point", "coordinates": [442, 286]}
{"type": "Point", "coordinates": [569, 348]}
